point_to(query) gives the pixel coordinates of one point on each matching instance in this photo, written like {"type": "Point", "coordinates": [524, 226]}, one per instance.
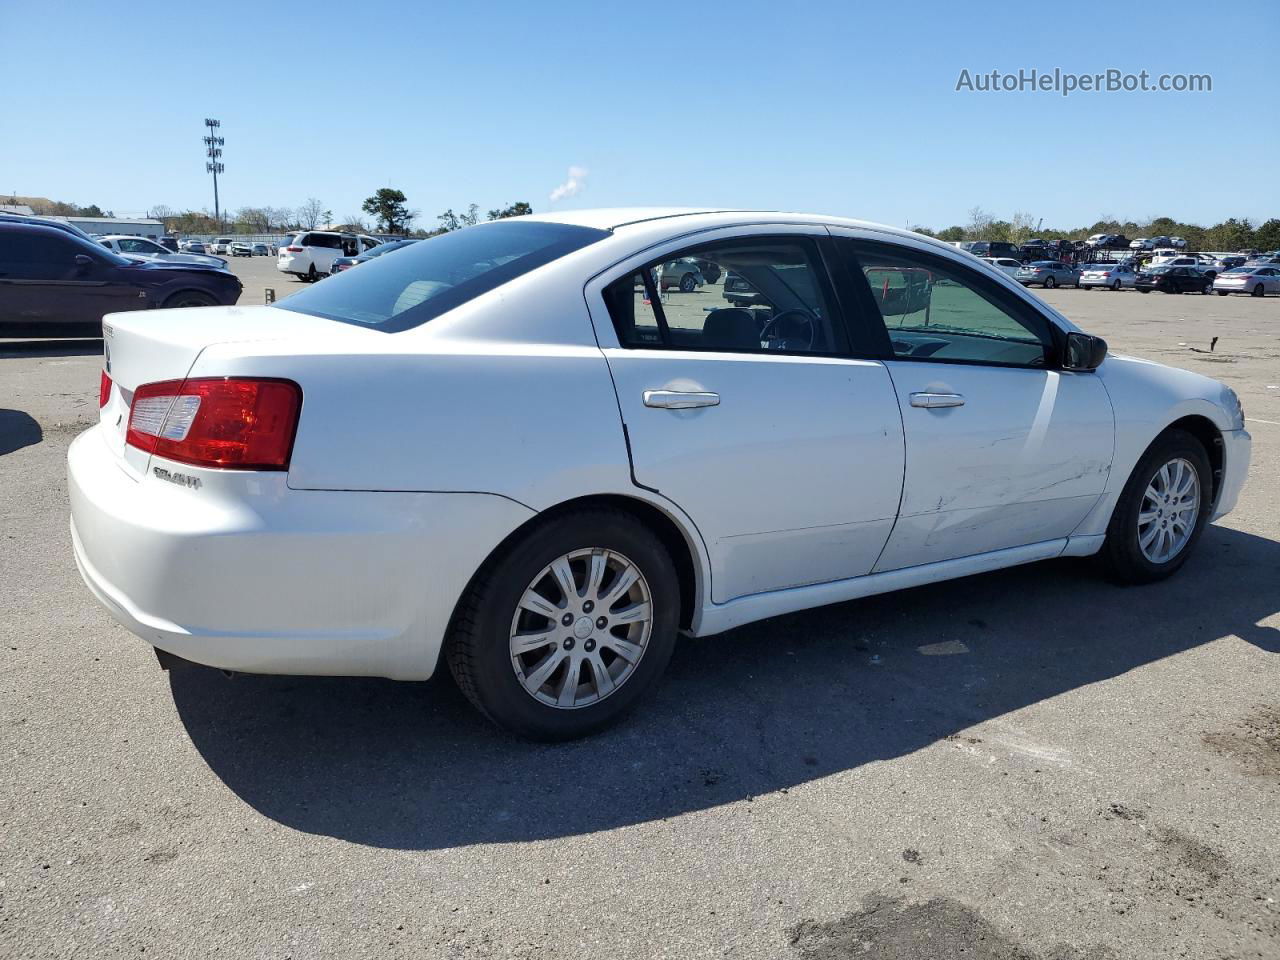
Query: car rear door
{"type": "Point", "coordinates": [757, 422]}
{"type": "Point", "coordinates": [1002, 449]}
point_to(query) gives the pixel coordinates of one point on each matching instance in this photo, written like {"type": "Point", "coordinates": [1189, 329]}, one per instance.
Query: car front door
{"type": "Point", "coordinates": [49, 278]}
{"type": "Point", "coordinates": [756, 421]}
{"type": "Point", "coordinates": [1002, 449]}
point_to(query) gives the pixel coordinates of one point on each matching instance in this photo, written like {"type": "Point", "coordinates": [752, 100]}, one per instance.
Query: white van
{"type": "Point", "coordinates": [309, 254]}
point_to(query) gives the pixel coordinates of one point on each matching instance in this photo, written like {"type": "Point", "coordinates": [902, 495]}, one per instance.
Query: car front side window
{"type": "Point", "coordinates": [937, 310]}
{"type": "Point", "coordinates": [757, 294]}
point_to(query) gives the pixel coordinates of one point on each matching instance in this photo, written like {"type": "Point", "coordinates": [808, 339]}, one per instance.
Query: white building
{"type": "Point", "coordinates": [107, 226]}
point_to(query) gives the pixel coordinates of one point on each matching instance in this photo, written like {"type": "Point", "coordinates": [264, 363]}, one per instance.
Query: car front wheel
{"type": "Point", "coordinates": [1161, 511]}
{"type": "Point", "coordinates": [1050, 283]}
{"type": "Point", "coordinates": [565, 631]}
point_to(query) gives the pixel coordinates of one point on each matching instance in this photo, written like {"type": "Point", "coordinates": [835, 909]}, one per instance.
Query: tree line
{"type": "Point", "coordinates": [1230, 234]}
{"type": "Point", "coordinates": [386, 211]}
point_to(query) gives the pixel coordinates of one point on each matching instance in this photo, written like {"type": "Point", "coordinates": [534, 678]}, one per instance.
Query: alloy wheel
{"type": "Point", "coordinates": [581, 627]}
{"type": "Point", "coordinates": [1170, 508]}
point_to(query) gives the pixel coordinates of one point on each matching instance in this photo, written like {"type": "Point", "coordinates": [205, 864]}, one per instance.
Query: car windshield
{"type": "Point", "coordinates": [438, 274]}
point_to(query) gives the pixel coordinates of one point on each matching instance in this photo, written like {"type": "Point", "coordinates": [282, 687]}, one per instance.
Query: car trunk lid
{"type": "Point", "coordinates": [157, 345]}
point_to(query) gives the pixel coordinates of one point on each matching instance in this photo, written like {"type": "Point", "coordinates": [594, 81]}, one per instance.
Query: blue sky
{"type": "Point", "coordinates": [829, 107]}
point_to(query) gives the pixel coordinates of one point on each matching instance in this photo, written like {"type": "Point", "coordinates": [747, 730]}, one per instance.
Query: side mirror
{"type": "Point", "coordinates": [1084, 352]}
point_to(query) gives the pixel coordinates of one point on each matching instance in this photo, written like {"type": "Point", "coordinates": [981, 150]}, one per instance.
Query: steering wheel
{"type": "Point", "coordinates": [770, 329]}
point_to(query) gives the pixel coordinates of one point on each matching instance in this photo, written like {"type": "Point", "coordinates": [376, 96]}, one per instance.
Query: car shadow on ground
{"type": "Point", "coordinates": [18, 429]}
{"type": "Point", "coordinates": [68, 347]}
{"type": "Point", "coordinates": [761, 708]}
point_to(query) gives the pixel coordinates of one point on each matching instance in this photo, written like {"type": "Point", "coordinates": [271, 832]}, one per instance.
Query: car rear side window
{"type": "Point", "coordinates": [433, 276]}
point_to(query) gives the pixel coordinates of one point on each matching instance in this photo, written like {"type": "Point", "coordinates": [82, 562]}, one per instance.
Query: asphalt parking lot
{"type": "Point", "coordinates": [1025, 765]}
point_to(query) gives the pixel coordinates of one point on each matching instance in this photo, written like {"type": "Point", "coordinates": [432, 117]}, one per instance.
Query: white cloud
{"type": "Point", "coordinates": [572, 186]}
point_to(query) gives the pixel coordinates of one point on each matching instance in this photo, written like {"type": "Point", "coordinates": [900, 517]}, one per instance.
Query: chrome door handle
{"type": "Point", "coordinates": [680, 399]}
{"type": "Point", "coordinates": [937, 400]}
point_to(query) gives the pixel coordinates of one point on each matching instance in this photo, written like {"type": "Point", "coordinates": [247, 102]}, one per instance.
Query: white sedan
{"type": "Point", "coordinates": [503, 449]}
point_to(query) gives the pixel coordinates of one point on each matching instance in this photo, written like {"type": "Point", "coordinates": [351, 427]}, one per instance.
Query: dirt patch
{"type": "Point", "coordinates": [1255, 743]}
{"type": "Point", "coordinates": [892, 928]}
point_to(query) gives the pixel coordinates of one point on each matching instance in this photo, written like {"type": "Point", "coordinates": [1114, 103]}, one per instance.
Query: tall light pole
{"type": "Point", "coordinates": [213, 149]}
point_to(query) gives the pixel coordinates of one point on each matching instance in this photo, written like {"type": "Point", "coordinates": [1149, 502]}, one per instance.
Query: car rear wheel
{"type": "Point", "coordinates": [688, 283]}
{"type": "Point", "coordinates": [312, 276]}
{"type": "Point", "coordinates": [565, 631]}
{"type": "Point", "coordinates": [189, 298]}
{"type": "Point", "coordinates": [1050, 283]}
{"type": "Point", "coordinates": [1223, 293]}
{"type": "Point", "coordinates": [1161, 511]}
{"type": "Point", "coordinates": [1259, 291]}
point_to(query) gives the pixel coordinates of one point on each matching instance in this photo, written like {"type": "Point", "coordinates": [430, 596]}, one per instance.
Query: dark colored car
{"type": "Point", "coordinates": [345, 263]}
{"type": "Point", "coordinates": [1035, 250]}
{"type": "Point", "coordinates": [169, 243]}
{"type": "Point", "coordinates": [53, 282]}
{"type": "Point", "coordinates": [1172, 280]}
{"type": "Point", "coordinates": [992, 248]}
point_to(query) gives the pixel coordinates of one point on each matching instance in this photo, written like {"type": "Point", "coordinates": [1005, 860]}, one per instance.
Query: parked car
{"type": "Point", "coordinates": [1178, 243]}
{"type": "Point", "coordinates": [345, 263]}
{"type": "Point", "coordinates": [1108, 241]}
{"type": "Point", "coordinates": [1258, 281]}
{"type": "Point", "coordinates": [169, 243]}
{"type": "Point", "coordinates": [262, 249]}
{"type": "Point", "coordinates": [1048, 274]}
{"type": "Point", "coordinates": [222, 245]}
{"type": "Point", "coordinates": [683, 275]}
{"type": "Point", "coordinates": [1035, 250]}
{"type": "Point", "coordinates": [195, 246]}
{"type": "Point", "coordinates": [1172, 280]}
{"type": "Point", "coordinates": [143, 247]}
{"type": "Point", "coordinates": [1202, 265]}
{"type": "Point", "coordinates": [1111, 276]}
{"type": "Point", "coordinates": [1004, 264]}
{"type": "Point", "coordinates": [309, 254]}
{"type": "Point", "coordinates": [1142, 243]}
{"type": "Point", "coordinates": [210, 501]}
{"type": "Point", "coordinates": [1227, 262]}
{"type": "Point", "coordinates": [1262, 260]}
{"type": "Point", "coordinates": [240, 248]}
{"type": "Point", "coordinates": [991, 248]}
{"type": "Point", "coordinates": [53, 282]}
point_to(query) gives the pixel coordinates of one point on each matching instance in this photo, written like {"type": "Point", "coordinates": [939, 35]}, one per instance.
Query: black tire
{"type": "Point", "coordinates": [189, 298]}
{"type": "Point", "coordinates": [1115, 286]}
{"type": "Point", "coordinates": [688, 284]}
{"type": "Point", "coordinates": [1204, 291]}
{"type": "Point", "coordinates": [1144, 291]}
{"type": "Point", "coordinates": [1259, 291]}
{"type": "Point", "coordinates": [1050, 283]}
{"type": "Point", "coordinates": [1121, 557]}
{"type": "Point", "coordinates": [312, 276]}
{"type": "Point", "coordinates": [477, 649]}
{"type": "Point", "coordinates": [1223, 293]}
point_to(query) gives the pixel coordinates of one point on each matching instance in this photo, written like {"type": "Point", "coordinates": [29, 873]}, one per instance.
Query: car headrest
{"type": "Point", "coordinates": [731, 328]}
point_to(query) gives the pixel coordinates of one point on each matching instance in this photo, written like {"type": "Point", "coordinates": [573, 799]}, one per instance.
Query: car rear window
{"type": "Point", "coordinates": [435, 275]}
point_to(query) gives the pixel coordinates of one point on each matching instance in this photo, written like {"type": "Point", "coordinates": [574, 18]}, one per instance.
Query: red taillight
{"type": "Point", "coordinates": [104, 390]}
{"type": "Point", "coordinates": [294, 249]}
{"type": "Point", "coordinates": [227, 422]}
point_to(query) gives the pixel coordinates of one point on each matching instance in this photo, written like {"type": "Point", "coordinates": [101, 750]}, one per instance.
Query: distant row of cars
{"type": "Point", "coordinates": [1174, 275]}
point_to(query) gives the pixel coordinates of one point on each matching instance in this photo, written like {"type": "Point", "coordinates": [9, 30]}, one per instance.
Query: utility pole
{"type": "Point", "coordinates": [213, 150]}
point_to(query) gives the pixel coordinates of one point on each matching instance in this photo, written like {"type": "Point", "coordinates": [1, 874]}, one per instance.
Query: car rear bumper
{"type": "Point", "coordinates": [244, 573]}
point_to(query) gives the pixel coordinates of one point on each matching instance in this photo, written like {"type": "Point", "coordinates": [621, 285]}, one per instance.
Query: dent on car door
{"type": "Point", "coordinates": [785, 451]}
{"type": "Point", "coordinates": [1002, 449]}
